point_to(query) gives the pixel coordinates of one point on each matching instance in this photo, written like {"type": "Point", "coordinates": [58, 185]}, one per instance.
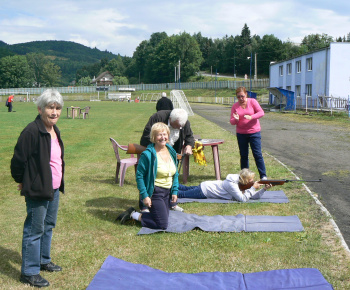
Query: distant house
{"type": "Point", "coordinates": [324, 72]}
{"type": "Point", "coordinates": [104, 79]}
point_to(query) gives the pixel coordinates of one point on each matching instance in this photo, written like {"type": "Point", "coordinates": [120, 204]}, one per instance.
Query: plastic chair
{"type": "Point", "coordinates": [122, 164]}
{"type": "Point", "coordinates": [84, 111]}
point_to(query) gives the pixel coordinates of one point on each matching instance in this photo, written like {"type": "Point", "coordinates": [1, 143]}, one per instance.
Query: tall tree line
{"type": "Point", "coordinates": [30, 70]}
{"type": "Point", "coordinates": [156, 60]}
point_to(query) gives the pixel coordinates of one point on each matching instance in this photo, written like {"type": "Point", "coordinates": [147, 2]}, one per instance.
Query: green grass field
{"type": "Point", "coordinates": [86, 232]}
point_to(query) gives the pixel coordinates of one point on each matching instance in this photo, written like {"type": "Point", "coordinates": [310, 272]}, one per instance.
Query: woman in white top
{"type": "Point", "coordinates": [226, 189]}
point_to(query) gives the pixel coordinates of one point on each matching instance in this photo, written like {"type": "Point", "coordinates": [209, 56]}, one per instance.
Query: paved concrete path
{"type": "Point", "coordinates": [311, 150]}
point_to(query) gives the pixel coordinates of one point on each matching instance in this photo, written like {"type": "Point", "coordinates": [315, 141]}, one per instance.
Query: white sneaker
{"type": "Point", "coordinates": [264, 178]}
{"type": "Point", "coordinates": [177, 208]}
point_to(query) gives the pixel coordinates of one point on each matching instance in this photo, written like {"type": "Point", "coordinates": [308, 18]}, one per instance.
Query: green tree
{"type": "Point", "coordinates": [15, 72]}
{"type": "Point", "coordinates": [161, 65]}
{"type": "Point", "coordinates": [118, 80]}
{"type": "Point", "coordinates": [316, 41]}
{"type": "Point", "coordinates": [143, 54]}
{"type": "Point", "coordinates": [45, 72]}
{"type": "Point", "coordinates": [51, 74]}
{"type": "Point", "coordinates": [270, 49]}
{"type": "Point", "coordinates": [115, 66]}
{"type": "Point", "coordinates": [84, 81]}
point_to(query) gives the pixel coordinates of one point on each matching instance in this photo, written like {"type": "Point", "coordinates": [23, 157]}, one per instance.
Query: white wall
{"type": "Point", "coordinates": [339, 78]}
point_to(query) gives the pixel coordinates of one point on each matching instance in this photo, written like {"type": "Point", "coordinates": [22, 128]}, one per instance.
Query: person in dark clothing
{"type": "Point", "coordinates": [37, 166]}
{"type": "Point", "coordinates": [164, 103]}
{"type": "Point", "coordinates": [180, 130]}
{"type": "Point", "coordinates": [9, 103]}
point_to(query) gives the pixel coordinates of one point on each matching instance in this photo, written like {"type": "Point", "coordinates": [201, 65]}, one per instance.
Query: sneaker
{"type": "Point", "coordinates": [177, 208]}
{"type": "Point", "coordinates": [35, 280]}
{"type": "Point", "coordinates": [50, 267]}
{"type": "Point", "coordinates": [264, 178]}
{"type": "Point", "coordinates": [126, 215]}
{"type": "Point", "coordinates": [145, 210]}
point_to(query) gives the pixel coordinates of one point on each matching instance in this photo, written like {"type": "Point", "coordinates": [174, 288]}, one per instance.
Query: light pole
{"type": "Point", "coordinates": [250, 72]}
{"type": "Point", "coordinates": [216, 76]}
{"type": "Point", "coordinates": [179, 77]}
{"type": "Point", "coordinates": [234, 63]}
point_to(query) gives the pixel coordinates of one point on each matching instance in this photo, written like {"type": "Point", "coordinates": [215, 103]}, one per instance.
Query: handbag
{"type": "Point", "coordinates": [7, 103]}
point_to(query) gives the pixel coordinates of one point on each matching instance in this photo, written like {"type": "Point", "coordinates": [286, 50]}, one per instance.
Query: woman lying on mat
{"type": "Point", "coordinates": [227, 189]}
{"type": "Point", "coordinates": [157, 181]}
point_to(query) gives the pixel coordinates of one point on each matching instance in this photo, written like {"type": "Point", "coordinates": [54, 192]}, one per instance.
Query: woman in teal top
{"type": "Point", "coordinates": [157, 181]}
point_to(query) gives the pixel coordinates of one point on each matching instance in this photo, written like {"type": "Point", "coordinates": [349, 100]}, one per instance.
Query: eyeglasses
{"type": "Point", "coordinates": [240, 97]}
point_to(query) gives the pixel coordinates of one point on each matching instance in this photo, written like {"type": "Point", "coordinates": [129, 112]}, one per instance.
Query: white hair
{"type": "Point", "coordinates": [179, 115]}
{"type": "Point", "coordinates": [164, 94]}
{"type": "Point", "coordinates": [48, 97]}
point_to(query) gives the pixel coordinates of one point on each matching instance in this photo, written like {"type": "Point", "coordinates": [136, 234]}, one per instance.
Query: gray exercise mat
{"type": "Point", "coordinates": [269, 196]}
{"type": "Point", "coordinates": [180, 222]}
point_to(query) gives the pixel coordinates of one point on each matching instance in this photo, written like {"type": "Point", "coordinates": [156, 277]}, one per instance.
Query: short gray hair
{"type": "Point", "coordinates": [48, 97]}
{"type": "Point", "coordinates": [179, 115]}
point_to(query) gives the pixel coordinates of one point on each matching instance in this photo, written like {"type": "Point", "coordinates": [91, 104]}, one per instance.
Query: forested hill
{"type": "Point", "coordinates": [69, 56]}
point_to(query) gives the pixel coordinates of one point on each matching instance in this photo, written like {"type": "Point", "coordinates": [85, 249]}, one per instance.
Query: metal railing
{"type": "Point", "coordinates": [256, 84]}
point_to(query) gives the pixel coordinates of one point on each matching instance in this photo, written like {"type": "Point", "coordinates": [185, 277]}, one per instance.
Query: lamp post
{"type": "Point", "coordinates": [250, 71]}
{"type": "Point", "coordinates": [179, 77]}
{"type": "Point", "coordinates": [234, 63]}
{"type": "Point", "coordinates": [216, 76]}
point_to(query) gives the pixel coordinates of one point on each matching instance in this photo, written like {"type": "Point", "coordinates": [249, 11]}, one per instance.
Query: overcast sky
{"type": "Point", "coordinates": [119, 26]}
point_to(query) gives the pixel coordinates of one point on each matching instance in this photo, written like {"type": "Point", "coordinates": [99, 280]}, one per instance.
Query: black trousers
{"type": "Point", "coordinates": [158, 216]}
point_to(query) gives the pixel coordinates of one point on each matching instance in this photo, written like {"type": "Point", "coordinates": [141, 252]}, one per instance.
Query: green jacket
{"type": "Point", "coordinates": [147, 171]}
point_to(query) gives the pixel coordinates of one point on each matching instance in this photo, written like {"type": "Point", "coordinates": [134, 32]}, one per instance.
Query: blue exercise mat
{"type": "Point", "coordinates": [269, 196]}
{"type": "Point", "coordinates": [180, 222]}
{"type": "Point", "coordinates": [118, 274]}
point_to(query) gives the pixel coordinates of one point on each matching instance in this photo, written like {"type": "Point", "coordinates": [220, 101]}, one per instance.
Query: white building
{"type": "Point", "coordinates": [324, 72]}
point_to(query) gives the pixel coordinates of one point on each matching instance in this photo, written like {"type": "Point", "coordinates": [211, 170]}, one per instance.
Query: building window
{"type": "Point", "coordinates": [297, 91]}
{"type": "Point", "coordinates": [288, 88]}
{"type": "Point", "coordinates": [289, 68]}
{"type": "Point", "coordinates": [309, 64]}
{"type": "Point", "coordinates": [298, 66]}
{"type": "Point", "coordinates": [309, 90]}
{"type": "Point", "coordinates": [281, 70]}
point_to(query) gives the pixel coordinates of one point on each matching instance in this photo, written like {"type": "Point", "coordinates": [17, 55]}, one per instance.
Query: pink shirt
{"type": "Point", "coordinates": [244, 126]}
{"type": "Point", "coordinates": [56, 163]}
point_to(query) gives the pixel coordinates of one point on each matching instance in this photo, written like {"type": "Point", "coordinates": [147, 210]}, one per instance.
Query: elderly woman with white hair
{"type": "Point", "coordinates": [37, 166]}
{"type": "Point", "coordinates": [181, 134]}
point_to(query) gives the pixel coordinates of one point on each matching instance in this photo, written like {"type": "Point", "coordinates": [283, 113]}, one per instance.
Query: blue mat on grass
{"type": "Point", "coordinates": [269, 196]}
{"type": "Point", "coordinates": [118, 274]}
{"type": "Point", "coordinates": [180, 222]}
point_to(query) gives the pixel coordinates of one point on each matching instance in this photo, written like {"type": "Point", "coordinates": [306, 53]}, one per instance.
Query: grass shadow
{"type": "Point", "coordinates": [9, 257]}
{"type": "Point", "coordinates": [108, 208]}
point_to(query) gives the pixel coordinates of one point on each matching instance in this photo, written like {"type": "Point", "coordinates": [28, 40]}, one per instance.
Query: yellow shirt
{"type": "Point", "coordinates": [165, 172]}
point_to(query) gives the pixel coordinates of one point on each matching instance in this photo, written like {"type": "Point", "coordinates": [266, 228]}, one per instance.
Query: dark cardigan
{"type": "Point", "coordinates": [30, 164]}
